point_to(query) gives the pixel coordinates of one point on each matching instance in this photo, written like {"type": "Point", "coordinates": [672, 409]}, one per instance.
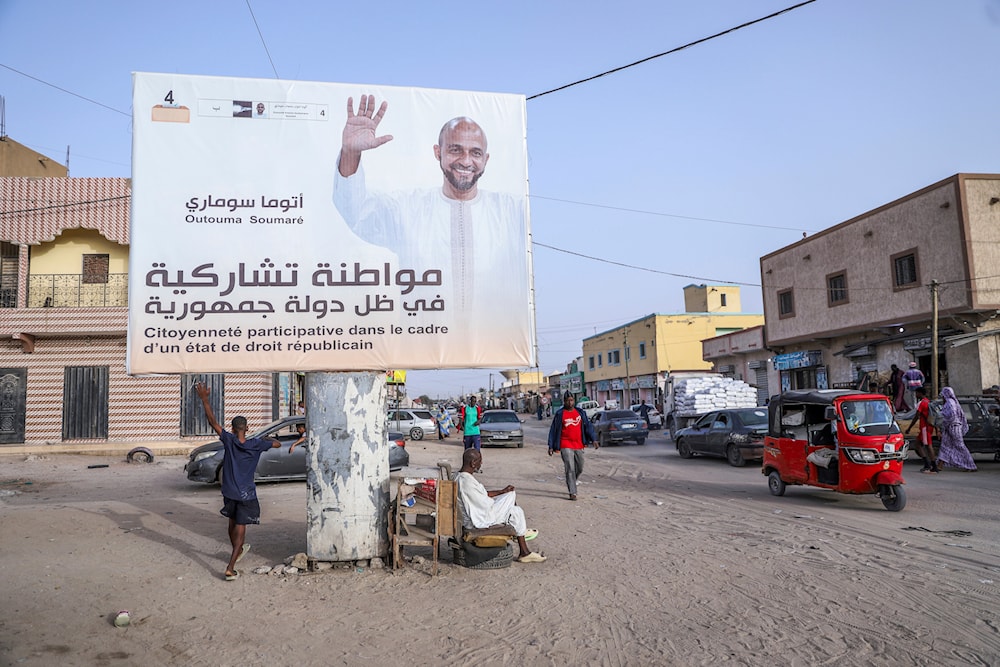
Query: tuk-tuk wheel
{"type": "Point", "coordinates": [893, 497]}
{"type": "Point", "coordinates": [775, 484]}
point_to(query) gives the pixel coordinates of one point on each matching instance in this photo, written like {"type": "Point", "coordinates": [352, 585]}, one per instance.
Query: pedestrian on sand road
{"type": "Point", "coordinates": [239, 493]}
{"type": "Point", "coordinates": [468, 418]}
{"type": "Point", "coordinates": [925, 445]}
{"type": "Point", "coordinates": [443, 420]}
{"type": "Point", "coordinates": [897, 385]}
{"type": "Point", "coordinates": [913, 378]}
{"type": "Point", "coordinates": [643, 411]}
{"type": "Point", "coordinates": [954, 426]}
{"type": "Point", "coordinates": [569, 433]}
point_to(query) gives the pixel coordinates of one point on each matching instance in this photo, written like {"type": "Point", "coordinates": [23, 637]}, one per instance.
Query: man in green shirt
{"type": "Point", "coordinates": [468, 418]}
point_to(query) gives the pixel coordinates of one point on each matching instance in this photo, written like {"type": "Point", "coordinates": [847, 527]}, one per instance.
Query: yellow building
{"type": "Point", "coordinates": [631, 362]}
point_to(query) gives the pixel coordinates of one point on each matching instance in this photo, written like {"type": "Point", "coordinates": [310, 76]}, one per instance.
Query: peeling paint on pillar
{"type": "Point", "coordinates": [347, 483]}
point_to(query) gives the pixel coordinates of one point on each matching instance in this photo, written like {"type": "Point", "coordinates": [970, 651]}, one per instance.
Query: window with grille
{"type": "Point", "coordinates": [904, 266]}
{"type": "Point", "coordinates": [836, 289]}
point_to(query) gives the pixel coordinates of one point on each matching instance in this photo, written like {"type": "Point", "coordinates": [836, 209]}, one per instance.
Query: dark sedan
{"type": "Point", "coordinates": [205, 462]}
{"type": "Point", "coordinates": [618, 426]}
{"type": "Point", "coordinates": [736, 435]}
{"type": "Point", "coordinates": [501, 427]}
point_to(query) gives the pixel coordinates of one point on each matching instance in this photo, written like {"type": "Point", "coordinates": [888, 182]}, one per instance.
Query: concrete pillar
{"type": "Point", "coordinates": [348, 466]}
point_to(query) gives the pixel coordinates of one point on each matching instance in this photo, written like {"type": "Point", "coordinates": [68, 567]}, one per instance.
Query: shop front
{"type": "Point", "coordinates": [801, 370]}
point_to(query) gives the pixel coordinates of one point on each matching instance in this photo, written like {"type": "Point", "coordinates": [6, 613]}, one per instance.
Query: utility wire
{"type": "Point", "coordinates": [66, 205]}
{"type": "Point", "coordinates": [273, 68]}
{"type": "Point", "coordinates": [674, 215]}
{"type": "Point", "coordinates": [674, 50]}
{"type": "Point", "coordinates": [642, 268]}
{"type": "Point", "coordinates": [68, 92]}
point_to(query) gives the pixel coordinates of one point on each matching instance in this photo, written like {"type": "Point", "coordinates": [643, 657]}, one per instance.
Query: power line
{"type": "Point", "coordinates": [674, 50]}
{"type": "Point", "coordinates": [262, 40]}
{"type": "Point", "coordinates": [68, 92]}
{"type": "Point", "coordinates": [673, 215]}
{"type": "Point", "coordinates": [642, 268]}
{"type": "Point", "coordinates": [66, 205]}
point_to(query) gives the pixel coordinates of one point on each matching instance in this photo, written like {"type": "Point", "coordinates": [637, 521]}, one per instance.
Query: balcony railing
{"type": "Point", "coordinates": [67, 290]}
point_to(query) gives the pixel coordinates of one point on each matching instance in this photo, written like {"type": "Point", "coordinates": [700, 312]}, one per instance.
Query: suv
{"type": "Point", "coordinates": [590, 408]}
{"type": "Point", "coordinates": [415, 423]}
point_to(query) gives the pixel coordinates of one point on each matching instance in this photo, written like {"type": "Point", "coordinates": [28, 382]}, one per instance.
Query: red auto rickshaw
{"type": "Point", "coordinates": [843, 440]}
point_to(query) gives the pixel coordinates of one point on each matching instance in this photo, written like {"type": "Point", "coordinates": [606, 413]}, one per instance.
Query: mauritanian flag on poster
{"type": "Point", "coordinates": [290, 225]}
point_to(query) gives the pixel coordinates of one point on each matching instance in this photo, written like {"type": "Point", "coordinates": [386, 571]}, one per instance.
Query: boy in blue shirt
{"type": "Point", "coordinates": [239, 493]}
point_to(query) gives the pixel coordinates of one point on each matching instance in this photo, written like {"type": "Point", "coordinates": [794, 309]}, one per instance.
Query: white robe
{"type": "Point", "coordinates": [480, 247]}
{"type": "Point", "coordinates": [481, 511]}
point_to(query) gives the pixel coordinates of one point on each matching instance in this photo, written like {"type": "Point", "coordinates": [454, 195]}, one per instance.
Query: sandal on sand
{"type": "Point", "coordinates": [533, 557]}
{"type": "Point", "coordinates": [530, 534]}
{"type": "Point", "coordinates": [234, 576]}
{"type": "Point", "coordinates": [243, 552]}
{"type": "Point", "coordinates": [572, 496]}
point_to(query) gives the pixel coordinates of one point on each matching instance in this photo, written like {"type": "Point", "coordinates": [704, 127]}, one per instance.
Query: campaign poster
{"type": "Point", "coordinates": [290, 225]}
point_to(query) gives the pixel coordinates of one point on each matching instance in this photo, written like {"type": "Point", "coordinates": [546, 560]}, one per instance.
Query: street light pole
{"type": "Point", "coordinates": [934, 338]}
{"type": "Point", "coordinates": [628, 380]}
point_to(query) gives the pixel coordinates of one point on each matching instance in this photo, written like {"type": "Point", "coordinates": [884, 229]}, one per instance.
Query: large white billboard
{"type": "Point", "coordinates": [290, 225]}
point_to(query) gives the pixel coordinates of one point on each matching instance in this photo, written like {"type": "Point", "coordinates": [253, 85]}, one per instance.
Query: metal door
{"type": "Point", "coordinates": [193, 419]}
{"type": "Point", "coordinates": [13, 386]}
{"type": "Point", "coordinates": [85, 402]}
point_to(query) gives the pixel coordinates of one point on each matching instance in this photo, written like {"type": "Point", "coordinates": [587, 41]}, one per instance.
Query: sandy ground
{"type": "Point", "coordinates": [661, 562]}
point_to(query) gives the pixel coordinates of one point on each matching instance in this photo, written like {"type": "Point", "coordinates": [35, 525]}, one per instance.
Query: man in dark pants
{"type": "Point", "coordinates": [643, 411]}
{"type": "Point", "coordinates": [569, 434]}
{"type": "Point", "coordinates": [239, 493]}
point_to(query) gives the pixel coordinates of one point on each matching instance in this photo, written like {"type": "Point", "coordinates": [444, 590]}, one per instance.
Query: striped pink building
{"type": "Point", "coordinates": [63, 314]}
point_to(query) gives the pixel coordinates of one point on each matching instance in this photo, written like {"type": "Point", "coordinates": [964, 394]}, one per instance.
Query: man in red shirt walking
{"type": "Point", "coordinates": [570, 432]}
{"type": "Point", "coordinates": [925, 448]}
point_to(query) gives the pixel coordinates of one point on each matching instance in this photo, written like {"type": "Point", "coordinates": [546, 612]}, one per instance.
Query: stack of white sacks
{"type": "Point", "coordinates": [694, 396]}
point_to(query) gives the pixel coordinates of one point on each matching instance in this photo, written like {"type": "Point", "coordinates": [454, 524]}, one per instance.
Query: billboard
{"type": "Point", "coordinates": [289, 225]}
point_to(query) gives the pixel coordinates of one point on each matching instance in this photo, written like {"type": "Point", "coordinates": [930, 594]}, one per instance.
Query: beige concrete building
{"type": "Point", "coordinates": [743, 355]}
{"type": "Point", "coordinates": [630, 363]}
{"type": "Point", "coordinates": [846, 303]}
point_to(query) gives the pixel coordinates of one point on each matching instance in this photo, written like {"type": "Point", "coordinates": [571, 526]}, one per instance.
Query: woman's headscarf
{"type": "Point", "coordinates": [952, 411]}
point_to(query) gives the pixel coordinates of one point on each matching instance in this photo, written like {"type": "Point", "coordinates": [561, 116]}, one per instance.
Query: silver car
{"type": "Point", "coordinates": [416, 423]}
{"type": "Point", "coordinates": [205, 462]}
{"type": "Point", "coordinates": [501, 427]}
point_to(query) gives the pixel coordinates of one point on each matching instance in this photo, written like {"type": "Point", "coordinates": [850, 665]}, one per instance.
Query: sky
{"type": "Point", "coordinates": [684, 169]}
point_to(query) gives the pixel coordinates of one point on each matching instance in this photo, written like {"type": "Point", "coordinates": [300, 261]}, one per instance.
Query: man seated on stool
{"type": "Point", "coordinates": [482, 508]}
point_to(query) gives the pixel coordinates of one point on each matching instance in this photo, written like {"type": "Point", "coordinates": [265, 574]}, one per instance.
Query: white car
{"type": "Point", "coordinates": [655, 418]}
{"type": "Point", "coordinates": [589, 408]}
{"type": "Point", "coordinates": [416, 423]}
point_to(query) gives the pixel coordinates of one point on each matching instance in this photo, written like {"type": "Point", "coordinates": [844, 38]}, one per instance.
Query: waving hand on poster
{"type": "Point", "coordinates": [359, 132]}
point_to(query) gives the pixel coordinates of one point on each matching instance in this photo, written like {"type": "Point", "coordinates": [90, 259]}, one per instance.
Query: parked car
{"type": "Point", "coordinates": [415, 423]}
{"type": "Point", "coordinates": [983, 414]}
{"type": "Point", "coordinates": [501, 427]}
{"type": "Point", "coordinates": [205, 462]}
{"type": "Point", "coordinates": [590, 408]}
{"type": "Point", "coordinates": [618, 426]}
{"type": "Point", "coordinates": [655, 418]}
{"type": "Point", "coordinates": [736, 435]}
